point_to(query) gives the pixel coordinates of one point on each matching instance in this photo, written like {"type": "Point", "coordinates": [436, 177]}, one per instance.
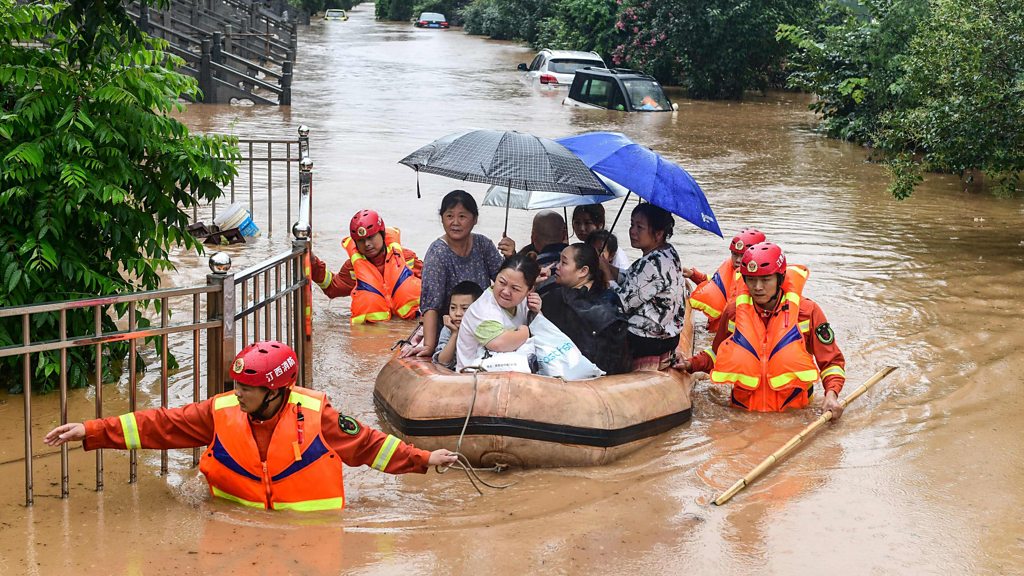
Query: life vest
{"type": "Point", "coordinates": [376, 296]}
{"type": "Point", "coordinates": [769, 366]}
{"type": "Point", "coordinates": [712, 295]}
{"type": "Point", "coordinates": [301, 475]}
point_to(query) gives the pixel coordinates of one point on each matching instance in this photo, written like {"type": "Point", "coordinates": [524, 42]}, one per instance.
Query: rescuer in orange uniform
{"type": "Point", "coordinates": [382, 277]}
{"type": "Point", "coordinates": [776, 344]}
{"type": "Point", "coordinates": [270, 444]}
{"type": "Point", "coordinates": [712, 294]}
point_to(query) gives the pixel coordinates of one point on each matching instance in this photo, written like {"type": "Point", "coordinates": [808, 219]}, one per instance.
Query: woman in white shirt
{"type": "Point", "coordinates": [497, 321]}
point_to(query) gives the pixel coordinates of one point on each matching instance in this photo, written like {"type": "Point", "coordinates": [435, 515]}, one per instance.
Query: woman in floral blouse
{"type": "Point", "coordinates": [653, 290]}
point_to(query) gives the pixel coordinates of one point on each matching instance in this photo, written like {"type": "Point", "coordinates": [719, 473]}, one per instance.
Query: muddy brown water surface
{"type": "Point", "coordinates": [923, 474]}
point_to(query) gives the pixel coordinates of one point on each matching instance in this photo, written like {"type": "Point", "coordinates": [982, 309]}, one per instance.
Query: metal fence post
{"type": "Point", "coordinates": [220, 342]}
{"type": "Point", "coordinates": [303, 143]}
{"type": "Point", "coordinates": [303, 234]}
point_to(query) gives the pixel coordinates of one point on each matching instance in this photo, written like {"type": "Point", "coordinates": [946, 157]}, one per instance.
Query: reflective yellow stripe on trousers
{"type": "Point", "coordinates": [312, 505]}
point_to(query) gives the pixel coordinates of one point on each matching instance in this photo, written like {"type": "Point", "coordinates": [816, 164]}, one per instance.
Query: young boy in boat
{"type": "Point", "coordinates": [270, 444]}
{"type": "Point", "coordinates": [712, 294]}
{"type": "Point", "coordinates": [463, 296]}
{"type": "Point", "coordinates": [382, 277]}
{"type": "Point", "coordinates": [770, 314]}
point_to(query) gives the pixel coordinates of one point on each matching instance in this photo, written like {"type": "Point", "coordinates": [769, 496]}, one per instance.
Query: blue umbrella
{"type": "Point", "coordinates": [645, 173]}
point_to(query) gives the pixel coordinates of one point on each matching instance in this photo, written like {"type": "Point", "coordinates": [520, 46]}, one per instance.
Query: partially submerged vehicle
{"type": "Point", "coordinates": [617, 89]}
{"type": "Point", "coordinates": [335, 14]}
{"type": "Point", "coordinates": [557, 68]}
{"type": "Point", "coordinates": [431, 20]}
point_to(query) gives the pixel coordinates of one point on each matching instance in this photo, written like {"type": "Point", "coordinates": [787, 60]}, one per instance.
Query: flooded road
{"type": "Point", "coordinates": [922, 475]}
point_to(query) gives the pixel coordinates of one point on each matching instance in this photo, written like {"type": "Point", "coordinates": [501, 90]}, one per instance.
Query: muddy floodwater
{"type": "Point", "coordinates": [923, 475]}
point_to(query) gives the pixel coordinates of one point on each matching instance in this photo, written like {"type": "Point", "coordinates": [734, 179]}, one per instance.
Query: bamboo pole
{"type": "Point", "coordinates": [796, 440]}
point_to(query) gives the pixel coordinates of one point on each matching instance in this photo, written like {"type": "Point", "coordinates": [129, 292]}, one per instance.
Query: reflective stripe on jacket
{"type": "Point", "coordinates": [712, 295]}
{"type": "Point", "coordinates": [376, 296]}
{"type": "Point", "coordinates": [303, 476]}
{"type": "Point", "coordinates": [755, 355]}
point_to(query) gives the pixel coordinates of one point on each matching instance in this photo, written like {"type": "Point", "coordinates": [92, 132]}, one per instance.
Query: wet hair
{"type": "Point", "coordinates": [595, 211]}
{"type": "Point", "coordinates": [604, 238]}
{"type": "Point", "coordinates": [523, 264]}
{"type": "Point", "coordinates": [583, 254]}
{"type": "Point", "coordinates": [467, 287]}
{"type": "Point", "coordinates": [659, 219]}
{"type": "Point", "coordinates": [456, 198]}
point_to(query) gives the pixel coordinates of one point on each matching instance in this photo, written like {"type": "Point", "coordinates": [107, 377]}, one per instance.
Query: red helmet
{"type": "Point", "coordinates": [268, 364]}
{"type": "Point", "coordinates": [365, 223]}
{"type": "Point", "coordinates": [745, 239]}
{"type": "Point", "coordinates": [763, 259]}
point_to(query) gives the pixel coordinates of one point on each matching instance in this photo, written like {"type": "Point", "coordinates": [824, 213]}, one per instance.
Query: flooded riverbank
{"type": "Point", "coordinates": [922, 475]}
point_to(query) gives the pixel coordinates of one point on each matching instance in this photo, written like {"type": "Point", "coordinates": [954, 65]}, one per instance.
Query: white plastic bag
{"type": "Point", "coordinates": [516, 361]}
{"type": "Point", "coordinates": [556, 353]}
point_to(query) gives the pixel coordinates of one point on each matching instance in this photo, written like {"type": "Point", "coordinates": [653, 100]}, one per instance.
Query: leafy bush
{"type": "Point", "coordinates": [396, 10]}
{"type": "Point", "coordinates": [99, 172]}
{"type": "Point", "coordinates": [963, 97]}
{"type": "Point", "coordinates": [714, 48]}
{"type": "Point", "coordinates": [579, 25]}
{"type": "Point", "coordinates": [505, 19]}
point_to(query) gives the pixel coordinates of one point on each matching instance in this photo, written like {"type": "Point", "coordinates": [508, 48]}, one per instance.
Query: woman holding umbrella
{"type": "Point", "coordinates": [653, 289]}
{"type": "Point", "coordinates": [457, 256]}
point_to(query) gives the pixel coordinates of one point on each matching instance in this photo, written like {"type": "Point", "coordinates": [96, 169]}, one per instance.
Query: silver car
{"type": "Point", "coordinates": [556, 68]}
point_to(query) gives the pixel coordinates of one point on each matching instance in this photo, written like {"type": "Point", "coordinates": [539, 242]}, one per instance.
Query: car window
{"type": "Point", "coordinates": [646, 95]}
{"type": "Point", "coordinates": [535, 65]}
{"type": "Point", "coordinates": [567, 66]}
{"type": "Point", "coordinates": [596, 92]}
{"type": "Point", "coordinates": [432, 17]}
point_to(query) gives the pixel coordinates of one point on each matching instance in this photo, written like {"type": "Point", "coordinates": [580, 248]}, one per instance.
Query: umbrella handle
{"type": "Point", "coordinates": [508, 198]}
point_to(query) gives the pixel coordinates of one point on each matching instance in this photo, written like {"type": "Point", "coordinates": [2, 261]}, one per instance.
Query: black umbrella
{"type": "Point", "coordinates": [506, 158]}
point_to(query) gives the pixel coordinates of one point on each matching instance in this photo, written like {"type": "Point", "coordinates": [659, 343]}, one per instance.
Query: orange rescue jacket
{"type": "Point", "coordinates": [712, 295]}
{"type": "Point", "coordinates": [376, 296]}
{"type": "Point", "coordinates": [771, 361]}
{"type": "Point", "coordinates": [302, 471]}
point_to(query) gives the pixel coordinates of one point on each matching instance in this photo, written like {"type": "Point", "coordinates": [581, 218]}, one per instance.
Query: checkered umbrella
{"type": "Point", "coordinates": [506, 158]}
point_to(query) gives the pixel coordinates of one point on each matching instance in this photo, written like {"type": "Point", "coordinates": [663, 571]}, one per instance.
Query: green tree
{"type": "Point", "coordinates": [963, 97]}
{"type": "Point", "coordinates": [396, 10]}
{"type": "Point", "coordinates": [506, 19]}
{"type": "Point", "coordinates": [850, 58]}
{"type": "Point", "coordinates": [714, 48]}
{"type": "Point", "coordinates": [100, 175]}
{"type": "Point", "coordinates": [579, 25]}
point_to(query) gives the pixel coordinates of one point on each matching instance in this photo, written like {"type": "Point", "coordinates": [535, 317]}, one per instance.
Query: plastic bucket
{"type": "Point", "coordinates": [237, 216]}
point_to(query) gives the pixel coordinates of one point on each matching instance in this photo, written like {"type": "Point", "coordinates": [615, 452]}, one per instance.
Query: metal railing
{"type": "Point", "coordinates": [271, 299]}
{"type": "Point", "coordinates": [266, 167]}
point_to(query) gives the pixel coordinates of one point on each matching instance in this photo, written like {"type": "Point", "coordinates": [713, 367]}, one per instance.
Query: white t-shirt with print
{"type": "Point", "coordinates": [468, 347]}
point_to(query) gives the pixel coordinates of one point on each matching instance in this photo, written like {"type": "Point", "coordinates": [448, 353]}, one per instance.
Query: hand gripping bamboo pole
{"type": "Point", "coordinates": [796, 440]}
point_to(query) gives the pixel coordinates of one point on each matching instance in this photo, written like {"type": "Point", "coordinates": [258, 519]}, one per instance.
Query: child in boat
{"type": "Point", "coordinates": [498, 321]}
{"type": "Point", "coordinates": [607, 247]}
{"type": "Point", "coordinates": [463, 296]}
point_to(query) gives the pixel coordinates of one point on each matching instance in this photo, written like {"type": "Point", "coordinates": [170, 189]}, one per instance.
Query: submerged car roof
{"type": "Point", "coordinates": [573, 54]}
{"type": "Point", "coordinates": [624, 73]}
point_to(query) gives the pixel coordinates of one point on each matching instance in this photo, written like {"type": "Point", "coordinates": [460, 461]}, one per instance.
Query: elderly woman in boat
{"type": "Point", "coordinates": [457, 256]}
{"type": "Point", "coordinates": [583, 308]}
{"type": "Point", "coordinates": [498, 320]}
{"type": "Point", "coordinates": [652, 290]}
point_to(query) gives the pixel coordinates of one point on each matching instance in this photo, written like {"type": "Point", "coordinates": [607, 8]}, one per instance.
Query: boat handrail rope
{"type": "Point", "coordinates": [463, 463]}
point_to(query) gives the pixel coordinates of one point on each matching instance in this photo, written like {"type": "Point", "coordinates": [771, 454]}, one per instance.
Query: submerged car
{"type": "Point", "coordinates": [335, 14]}
{"type": "Point", "coordinates": [617, 89]}
{"type": "Point", "coordinates": [432, 20]}
{"type": "Point", "coordinates": [557, 68]}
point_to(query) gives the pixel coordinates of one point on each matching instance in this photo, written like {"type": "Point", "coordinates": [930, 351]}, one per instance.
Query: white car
{"type": "Point", "coordinates": [556, 68]}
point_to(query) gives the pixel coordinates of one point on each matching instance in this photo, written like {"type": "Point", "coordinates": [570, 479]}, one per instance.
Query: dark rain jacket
{"type": "Point", "coordinates": [594, 322]}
